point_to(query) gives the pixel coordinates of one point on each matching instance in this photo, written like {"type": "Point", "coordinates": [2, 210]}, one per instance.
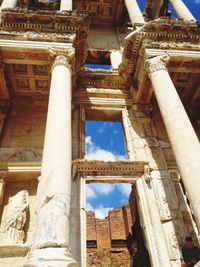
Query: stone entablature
{"type": "Point", "coordinates": [161, 34]}
{"type": "Point", "coordinates": [98, 168]}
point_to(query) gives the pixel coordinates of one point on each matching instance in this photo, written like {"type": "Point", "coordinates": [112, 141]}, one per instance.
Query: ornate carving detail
{"type": "Point", "coordinates": [91, 167]}
{"type": "Point", "coordinates": [50, 218]}
{"type": "Point", "coordinates": [166, 198]}
{"type": "Point", "coordinates": [170, 31]}
{"type": "Point", "coordinates": [16, 218]}
{"type": "Point", "coordinates": [156, 63]}
{"type": "Point", "coordinates": [20, 155]}
{"type": "Point", "coordinates": [62, 57]}
{"type": "Point", "coordinates": [170, 230]}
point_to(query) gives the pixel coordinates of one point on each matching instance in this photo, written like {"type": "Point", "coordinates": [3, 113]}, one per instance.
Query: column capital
{"type": "Point", "coordinates": [62, 57]}
{"type": "Point", "coordinates": [156, 63]}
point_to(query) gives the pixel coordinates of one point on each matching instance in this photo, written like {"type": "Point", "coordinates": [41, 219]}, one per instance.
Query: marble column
{"type": "Point", "coordinates": [182, 136]}
{"type": "Point", "coordinates": [181, 10]}
{"type": "Point", "coordinates": [8, 4]}
{"type": "Point", "coordinates": [134, 12]}
{"type": "Point", "coordinates": [66, 5]}
{"type": "Point", "coordinates": [115, 59]}
{"type": "Point", "coordinates": [51, 245]}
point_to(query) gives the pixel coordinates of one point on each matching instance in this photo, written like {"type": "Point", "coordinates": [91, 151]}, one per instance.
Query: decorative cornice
{"type": "Point", "coordinates": [118, 168]}
{"type": "Point", "coordinates": [156, 63]}
{"type": "Point", "coordinates": [155, 33]}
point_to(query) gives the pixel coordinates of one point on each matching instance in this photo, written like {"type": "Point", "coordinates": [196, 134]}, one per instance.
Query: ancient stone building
{"type": "Point", "coordinates": [107, 238]}
{"type": "Point", "coordinates": [46, 96]}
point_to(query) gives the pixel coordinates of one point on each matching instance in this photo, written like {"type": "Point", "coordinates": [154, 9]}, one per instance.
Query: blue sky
{"type": "Point", "coordinates": [105, 141]}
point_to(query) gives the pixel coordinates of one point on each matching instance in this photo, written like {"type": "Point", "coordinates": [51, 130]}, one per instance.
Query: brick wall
{"type": "Point", "coordinates": [115, 227]}
{"type": "Point", "coordinates": [106, 238]}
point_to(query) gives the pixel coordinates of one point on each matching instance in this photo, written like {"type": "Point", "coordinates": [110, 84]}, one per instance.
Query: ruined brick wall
{"type": "Point", "coordinates": [106, 238]}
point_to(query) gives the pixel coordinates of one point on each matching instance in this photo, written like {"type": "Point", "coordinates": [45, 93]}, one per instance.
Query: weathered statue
{"type": "Point", "coordinates": [16, 218]}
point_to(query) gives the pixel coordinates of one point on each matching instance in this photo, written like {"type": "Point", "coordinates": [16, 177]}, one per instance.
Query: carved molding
{"type": "Point", "coordinates": [20, 155]}
{"type": "Point", "coordinates": [110, 168]}
{"type": "Point", "coordinates": [62, 57]}
{"type": "Point", "coordinates": [175, 34]}
{"type": "Point", "coordinates": [156, 63]}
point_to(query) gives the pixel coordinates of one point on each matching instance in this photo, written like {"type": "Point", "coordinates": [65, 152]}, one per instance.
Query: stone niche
{"type": "Point", "coordinates": [17, 214]}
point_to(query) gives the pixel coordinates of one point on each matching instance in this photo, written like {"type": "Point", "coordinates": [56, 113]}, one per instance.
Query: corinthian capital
{"type": "Point", "coordinates": [62, 57]}
{"type": "Point", "coordinates": [156, 63]}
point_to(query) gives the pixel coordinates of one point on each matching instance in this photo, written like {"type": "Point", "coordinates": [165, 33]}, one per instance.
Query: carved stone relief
{"type": "Point", "coordinates": [171, 238]}
{"type": "Point", "coordinates": [16, 218]}
{"type": "Point", "coordinates": [166, 198]}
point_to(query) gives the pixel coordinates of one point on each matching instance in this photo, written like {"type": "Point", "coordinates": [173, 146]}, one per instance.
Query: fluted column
{"type": "Point", "coordinates": [134, 12]}
{"type": "Point", "coordinates": [182, 136]}
{"type": "Point", "coordinates": [66, 5]}
{"type": "Point", "coordinates": [51, 245]}
{"type": "Point", "coordinates": [181, 10]}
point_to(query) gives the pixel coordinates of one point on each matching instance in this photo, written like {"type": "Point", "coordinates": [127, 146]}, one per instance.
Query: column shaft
{"type": "Point", "coordinates": [66, 5]}
{"type": "Point", "coordinates": [51, 243]}
{"type": "Point", "coordinates": [8, 4]}
{"type": "Point", "coordinates": [181, 10]}
{"type": "Point", "coordinates": [182, 136]}
{"type": "Point", "coordinates": [115, 59]}
{"type": "Point", "coordinates": [134, 12]}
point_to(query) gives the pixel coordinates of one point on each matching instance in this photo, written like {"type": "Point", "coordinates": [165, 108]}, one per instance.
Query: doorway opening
{"type": "Point", "coordinates": [112, 223]}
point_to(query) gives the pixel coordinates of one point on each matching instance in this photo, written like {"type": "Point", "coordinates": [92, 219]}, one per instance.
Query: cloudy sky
{"type": "Point", "coordinates": [105, 141]}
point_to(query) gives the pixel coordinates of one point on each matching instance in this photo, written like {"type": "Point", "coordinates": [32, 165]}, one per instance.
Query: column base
{"type": "Point", "coordinates": [50, 257]}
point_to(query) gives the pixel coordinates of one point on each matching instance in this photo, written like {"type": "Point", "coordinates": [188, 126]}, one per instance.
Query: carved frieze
{"type": "Point", "coordinates": [95, 167]}
{"type": "Point", "coordinates": [20, 155]}
{"type": "Point", "coordinates": [175, 34]}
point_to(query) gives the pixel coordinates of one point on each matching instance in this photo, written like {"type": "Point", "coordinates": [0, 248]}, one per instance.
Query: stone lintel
{"type": "Point", "coordinates": [110, 168]}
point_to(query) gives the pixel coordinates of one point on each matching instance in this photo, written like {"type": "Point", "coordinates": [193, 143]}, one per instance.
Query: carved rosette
{"type": "Point", "coordinates": [156, 63]}
{"type": "Point", "coordinates": [62, 57]}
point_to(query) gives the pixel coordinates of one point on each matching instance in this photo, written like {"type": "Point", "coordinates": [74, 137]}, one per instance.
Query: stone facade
{"type": "Point", "coordinates": [46, 96]}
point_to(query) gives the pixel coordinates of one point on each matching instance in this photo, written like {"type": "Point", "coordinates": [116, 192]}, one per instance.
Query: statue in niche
{"type": "Point", "coordinates": [16, 218]}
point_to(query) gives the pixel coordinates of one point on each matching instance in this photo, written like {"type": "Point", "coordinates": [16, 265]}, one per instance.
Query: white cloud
{"type": "Point", "coordinates": [103, 188]}
{"type": "Point", "coordinates": [89, 207]}
{"type": "Point", "coordinates": [124, 188]}
{"type": "Point", "coordinates": [101, 212]}
{"type": "Point", "coordinates": [97, 153]}
{"type": "Point", "coordinates": [90, 192]}
{"type": "Point", "coordinates": [197, 1]}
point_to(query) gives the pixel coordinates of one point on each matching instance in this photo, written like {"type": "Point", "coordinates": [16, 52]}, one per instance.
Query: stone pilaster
{"type": "Point", "coordinates": [51, 246]}
{"type": "Point", "coordinates": [183, 139]}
